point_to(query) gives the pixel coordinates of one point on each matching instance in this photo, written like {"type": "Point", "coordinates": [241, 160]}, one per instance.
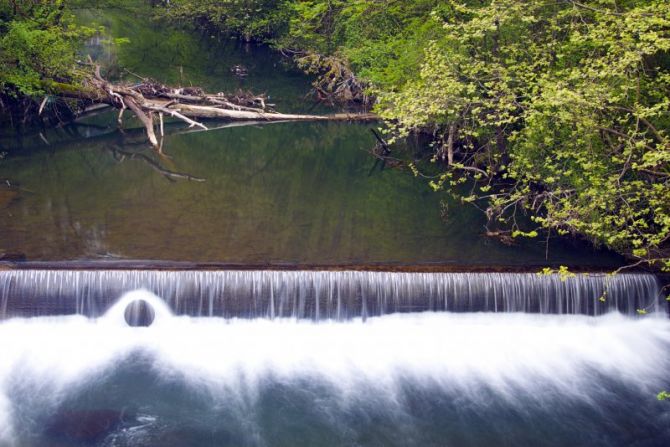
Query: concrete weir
{"type": "Point", "coordinates": [324, 294]}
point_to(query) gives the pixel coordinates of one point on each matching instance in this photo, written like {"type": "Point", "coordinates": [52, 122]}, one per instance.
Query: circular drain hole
{"type": "Point", "coordinates": [139, 313]}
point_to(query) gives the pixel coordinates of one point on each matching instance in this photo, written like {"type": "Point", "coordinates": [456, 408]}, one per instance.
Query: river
{"type": "Point", "coordinates": [306, 194]}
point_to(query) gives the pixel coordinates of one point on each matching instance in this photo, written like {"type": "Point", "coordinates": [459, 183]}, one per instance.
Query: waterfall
{"type": "Point", "coordinates": [338, 295]}
{"type": "Point", "coordinates": [459, 375]}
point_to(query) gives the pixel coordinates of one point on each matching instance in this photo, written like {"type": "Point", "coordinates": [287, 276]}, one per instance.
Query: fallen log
{"type": "Point", "coordinates": [146, 119]}
{"type": "Point", "coordinates": [212, 112]}
{"type": "Point", "coordinates": [189, 105]}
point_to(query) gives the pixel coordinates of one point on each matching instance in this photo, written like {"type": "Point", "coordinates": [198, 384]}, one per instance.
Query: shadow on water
{"type": "Point", "coordinates": [297, 193]}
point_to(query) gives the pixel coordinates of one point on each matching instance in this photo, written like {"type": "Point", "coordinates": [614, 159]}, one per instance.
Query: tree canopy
{"type": "Point", "coordinates": [560, 110]}
{"type": "Point", "coordinates": [38, 44]}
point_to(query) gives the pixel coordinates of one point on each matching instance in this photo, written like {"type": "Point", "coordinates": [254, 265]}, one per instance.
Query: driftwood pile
{"type": "Point", "coordinates": [335, 80]}
{"type": "Point", "coordinates": [151, 102]}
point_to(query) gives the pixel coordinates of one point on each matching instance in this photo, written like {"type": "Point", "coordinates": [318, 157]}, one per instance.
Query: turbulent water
{"type": "Point", "coordinates": [432, 378]}
{"type": "Point", "coordinates": [324, 295]}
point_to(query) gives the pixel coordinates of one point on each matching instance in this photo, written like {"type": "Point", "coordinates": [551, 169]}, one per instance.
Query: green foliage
{"type": "Point", "coordinates": [564, 107]}
{"type": "Point", "coordinates": [249, 19]}
{"type": "Point", "coordinates": [663, 395]}
{"type": "Point", "coordinates": [379, 39]}
{"type": "Point", "coordinates": [559, 110]}
{"type": "Point", "coordinates": [563, 272]}
{"type": "Point", "coordinates": [38, 45]}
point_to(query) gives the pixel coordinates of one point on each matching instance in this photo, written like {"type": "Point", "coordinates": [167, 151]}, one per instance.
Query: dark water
{"type": "Point", "coordinates": [192, 58]}
{"type": "Point", "coordinates": [281, 193]}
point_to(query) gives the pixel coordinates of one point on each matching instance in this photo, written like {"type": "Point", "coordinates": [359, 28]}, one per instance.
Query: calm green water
{"type": "Point", "coordinates": [184, 58]}
{"type": "Point", "coordinates": [286, 193]}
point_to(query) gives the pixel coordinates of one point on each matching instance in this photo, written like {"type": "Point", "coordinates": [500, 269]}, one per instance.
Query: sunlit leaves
{"type": "Point", "coordinates": [576, 97]}
{"type": "Point", "coordinates": [38, 42]}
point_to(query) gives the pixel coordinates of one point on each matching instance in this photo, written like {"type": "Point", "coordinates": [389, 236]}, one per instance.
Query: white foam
{"type": "Point", "coordinates": [115, 315]}
{"type": "Point", "coordinates": [6, 431]}
{"type": "Point", "coordinates": [455, 348]}
{"type": "Point", "coordinates": [504, 351]}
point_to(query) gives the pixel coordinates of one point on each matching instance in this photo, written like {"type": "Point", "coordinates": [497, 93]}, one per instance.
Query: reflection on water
{"type": "Point", "coordinates": [180, 57]}
{"type": "Point", "coordinates": [280, 193]}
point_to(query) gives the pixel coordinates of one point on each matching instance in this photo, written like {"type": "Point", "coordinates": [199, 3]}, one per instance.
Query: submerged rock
{"type": "Point", "coordinates": [239, 71]}
{"type": "Point", "coordinates": [7, 196]}
{"type": "Point", "coordinates": [12, 257]}
{"type": "Point", "coordinates": [83, 427]}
